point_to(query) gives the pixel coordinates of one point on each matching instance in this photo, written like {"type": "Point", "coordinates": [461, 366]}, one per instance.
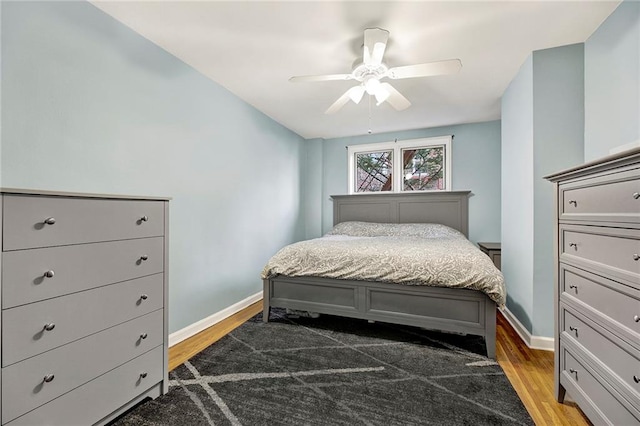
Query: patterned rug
{"type": "Point", "coordinates": [335, 371]}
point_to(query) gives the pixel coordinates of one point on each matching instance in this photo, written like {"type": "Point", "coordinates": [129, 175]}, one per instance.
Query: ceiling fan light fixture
{"type": "Point", "coordinates": [371, 85]}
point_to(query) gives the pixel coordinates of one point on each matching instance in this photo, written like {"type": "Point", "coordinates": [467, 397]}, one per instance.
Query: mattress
{"type": "Point", "coordinates": [405, 254]}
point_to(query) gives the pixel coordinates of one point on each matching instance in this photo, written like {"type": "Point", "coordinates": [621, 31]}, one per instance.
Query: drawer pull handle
{"type": "Point", "coordinates": [49, 274]}
{"type": "Point", "coordinates": [636, 256]}
{"type": "Point", "coordinates": [144, 257]}
{"type": "Point", "coordinates": [50, 326]}
{"type": "Point", "coordinates": [574, 202]}
{"type": "Point", "coordinates": [636, 379]}
{"type": "Point", "coordinates": [143, 374]}
{"type": "Point", "coordinates": [574, 245]}
{"type": "Point", "coordinates": [573, 371]}
{"type": "Point", "coordinates": [636, 195]}
{"type": "Point", "coordinates": [143, 297]}
{"type": "Point", "coordinates": [573, 286]}
{"type": "Point", "coordinates": [636, 318]}
{"type": "Point", "coordinates": [144, 218]}
{"type": "Point", "coordinates": [143, 336]}
{"type": "Point", "coordinates": [48, 378]}
{"type": "Point", "coordinates": [50, 220]}
{"type": "Point", "coordinates": [574, 329]}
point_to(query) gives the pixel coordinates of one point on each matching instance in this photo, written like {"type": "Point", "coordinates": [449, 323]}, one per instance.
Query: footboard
{"type": "Point", "coordinates": [437, 308]}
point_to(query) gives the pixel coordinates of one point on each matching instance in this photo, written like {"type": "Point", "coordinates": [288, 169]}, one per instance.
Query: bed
{"type": "Point", "coordinates": [458, 310]}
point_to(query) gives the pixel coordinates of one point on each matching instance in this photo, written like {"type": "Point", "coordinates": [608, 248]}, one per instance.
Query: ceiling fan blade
{"type": "Point", "coordinates": [381, 95]}
{"type": "Point", "coordinates": [375, 42]}
{"type": "Point", "coordinates": [451, 66]}
{"type": "Point", "coordinates": [342, 100]}
{"type": "Point", "coordinates": [328, 77]}
{"type": "Point", "coordinates": [356, 93]}
{"type": "Point", "coordinates": [395, 98]}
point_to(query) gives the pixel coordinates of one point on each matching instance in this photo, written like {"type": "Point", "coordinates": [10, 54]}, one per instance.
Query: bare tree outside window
{"type": "Point", "coordinates": [423, 169]}
{"type": "Point", "coordinates": [374, 171]}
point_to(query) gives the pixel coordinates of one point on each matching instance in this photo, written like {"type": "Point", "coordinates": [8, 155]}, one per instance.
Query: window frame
{"type": "Point", "coordinates": [398, 169]}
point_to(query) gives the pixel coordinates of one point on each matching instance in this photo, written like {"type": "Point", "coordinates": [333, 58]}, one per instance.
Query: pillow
{"type": "Point", "coordinates": [370, 229]}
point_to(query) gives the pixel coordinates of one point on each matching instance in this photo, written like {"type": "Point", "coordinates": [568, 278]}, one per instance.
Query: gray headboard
{"type": "Point", "coordinates": [449, 208]}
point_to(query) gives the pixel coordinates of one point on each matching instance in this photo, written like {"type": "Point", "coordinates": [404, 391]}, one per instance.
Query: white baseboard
{"type": "Point", "coordinates": [203, 324]}
{"type": "Point", "coordinates": [533, 342]}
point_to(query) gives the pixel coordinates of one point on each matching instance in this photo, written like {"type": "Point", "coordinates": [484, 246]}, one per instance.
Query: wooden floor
{"type": "Point", "coordinates": [531, 375]}
{"type": "Point", "coordinates": [186, 349]}
{"type": "Point", "coordinates": [529, 371]}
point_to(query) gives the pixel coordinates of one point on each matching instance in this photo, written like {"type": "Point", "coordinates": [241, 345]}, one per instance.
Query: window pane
{"type": "Point", "coordinates": [423, 169]}
{"type": "Point", "coordinates": [373, 171]}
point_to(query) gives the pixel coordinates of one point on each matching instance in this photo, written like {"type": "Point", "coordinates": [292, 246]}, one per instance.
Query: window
{"type": "Point", "coordinates": [374, 171]}
{"type": "Point", "coordinates": [424, 165]}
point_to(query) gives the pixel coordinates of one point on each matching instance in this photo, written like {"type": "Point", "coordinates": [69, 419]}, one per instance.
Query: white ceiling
{"type": "Point", "coordinates": [252, 48]}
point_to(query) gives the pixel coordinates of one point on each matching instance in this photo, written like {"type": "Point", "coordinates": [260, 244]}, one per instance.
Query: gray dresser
{"type": "Point", "coordinates": [84, 319]}
{"type": "Point", "coordinates": [597, 350]}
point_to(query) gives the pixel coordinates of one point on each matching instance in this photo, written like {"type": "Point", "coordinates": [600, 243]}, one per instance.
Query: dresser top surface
{"type": "Point", "coordinates": [606, 163]}
{"type": "Point", "coordinates": [22, 191]}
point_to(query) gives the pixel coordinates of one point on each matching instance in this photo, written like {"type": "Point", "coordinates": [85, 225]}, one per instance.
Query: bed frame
{"type": "Point", "coordinates": [436, 308]}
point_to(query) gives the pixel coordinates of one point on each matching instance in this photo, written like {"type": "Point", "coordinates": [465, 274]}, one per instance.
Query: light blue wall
{"type": "Point", "coordinates": [1, 60]}
{"type": "Point", "coordinates": [89, 105]}
{"type": "Point", "coordinates": [313, 187]}
{"type": "Point", "coordinates": [612, 82]}
{"type": "Point", "coordinates": [542, 133]}
{"type": "Point", "coordinates": [572, 104]}
{"type": "Point", "coordinates": [517, 193]}
{"type": "Point", "coordinates": [476, 167]}
{"type": "Point", "coordinates": [558, 143]}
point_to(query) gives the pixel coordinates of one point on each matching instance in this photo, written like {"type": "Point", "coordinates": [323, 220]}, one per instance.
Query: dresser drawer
{"type": "Point", "coordinates": [611, 299]}
{"type": "Point", "coordinates": [75, 316]}
{"type": "Point", "coordinates": [605, 198]}
{"type": "Point", "coordinates": [623, 362]}
{"type": "Point", "coordinates": [609, 251]}
{"type": "Point", "coordinates": [100, 397]}
{"type": "Point", "coordinates": [77, 220]}
{"type": "Point", "coordinates": [592, 394]}
{"type": "Point", "coordinates": [76, 268]}
{"type": "Point", "coordinates": [23, 385]}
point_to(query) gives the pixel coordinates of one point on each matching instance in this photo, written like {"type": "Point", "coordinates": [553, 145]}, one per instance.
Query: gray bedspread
{"type": "Point", "coordinates": [408, 254]}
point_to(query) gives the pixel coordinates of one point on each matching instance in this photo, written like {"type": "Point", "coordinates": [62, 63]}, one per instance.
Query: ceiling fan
{"type": "Point", "coordinates": [372, 70]}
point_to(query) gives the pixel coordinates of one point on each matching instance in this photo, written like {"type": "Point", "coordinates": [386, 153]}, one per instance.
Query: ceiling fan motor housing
{"type": "Point", "coordinates": [364, 71]}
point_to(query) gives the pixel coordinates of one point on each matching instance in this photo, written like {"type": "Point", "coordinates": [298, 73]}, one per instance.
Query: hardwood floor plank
{"type": "Point", "coordinates": [192, 346]}
{"type": "Point", "coordinates": [529, 371]}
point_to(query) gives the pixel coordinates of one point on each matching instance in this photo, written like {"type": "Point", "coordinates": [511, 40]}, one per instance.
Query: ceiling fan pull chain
{"type": "Point", "coordinates": [369, 114]}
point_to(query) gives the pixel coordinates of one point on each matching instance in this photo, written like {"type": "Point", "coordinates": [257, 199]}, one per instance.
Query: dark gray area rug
{"type": "Point", "coordinates": [335, 371]}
